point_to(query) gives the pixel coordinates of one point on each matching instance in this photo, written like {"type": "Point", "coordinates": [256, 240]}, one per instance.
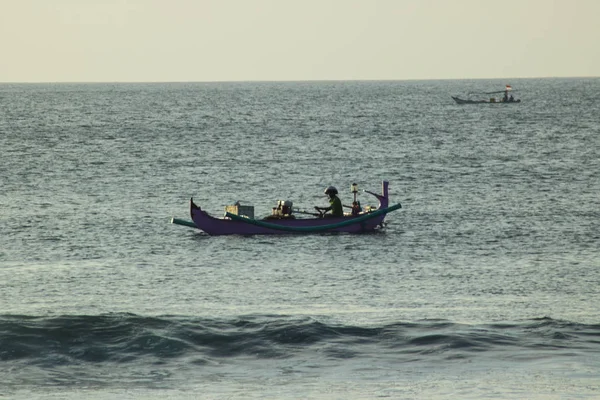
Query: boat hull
{"type": "Point", "coordinates": [224, 226]}
{"type": "Point", "coordinates": [467, 101]}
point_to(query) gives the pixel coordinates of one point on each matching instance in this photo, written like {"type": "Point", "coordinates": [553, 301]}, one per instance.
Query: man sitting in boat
{"type": "Point", "coordinates": [335, 204]}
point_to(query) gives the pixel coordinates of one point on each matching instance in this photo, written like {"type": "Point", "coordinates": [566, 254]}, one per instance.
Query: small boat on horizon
{"type": "Point", "coordinates": [239, 220]}
{"type": "Point", "coordinates": [506, 99]}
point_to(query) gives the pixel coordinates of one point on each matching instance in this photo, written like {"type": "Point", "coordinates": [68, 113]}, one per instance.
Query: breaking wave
{"type": "Point", "coordinates": [126, 338]}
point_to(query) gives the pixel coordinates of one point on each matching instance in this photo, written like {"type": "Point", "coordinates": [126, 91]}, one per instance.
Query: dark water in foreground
{"type": "Point", "coordinates": [252, 355]}
{"type": "Point", "coordinates": [484, 285]}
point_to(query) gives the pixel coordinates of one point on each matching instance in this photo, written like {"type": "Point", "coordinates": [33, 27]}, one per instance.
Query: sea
{"type": "Point", "coordinates": [484, 285]}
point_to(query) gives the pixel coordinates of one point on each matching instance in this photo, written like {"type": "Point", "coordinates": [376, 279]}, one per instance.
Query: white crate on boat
{"type": "Point", "coordinates": [243, 211]}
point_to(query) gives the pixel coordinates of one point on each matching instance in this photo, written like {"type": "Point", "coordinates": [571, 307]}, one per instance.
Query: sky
{"type": "Point", "coordinates": [296, 40]}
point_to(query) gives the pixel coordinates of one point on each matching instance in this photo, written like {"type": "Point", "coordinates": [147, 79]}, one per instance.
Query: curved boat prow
{"type": "Point", "coordinates": [383, 198]}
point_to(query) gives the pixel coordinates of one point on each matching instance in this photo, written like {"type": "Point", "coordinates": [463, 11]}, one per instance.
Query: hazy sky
{"type": "Point", "coordinates": [248, 40]}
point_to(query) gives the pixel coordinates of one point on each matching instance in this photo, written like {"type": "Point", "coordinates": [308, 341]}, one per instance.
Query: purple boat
{"type": "Point", "coordinates": [239, 222]}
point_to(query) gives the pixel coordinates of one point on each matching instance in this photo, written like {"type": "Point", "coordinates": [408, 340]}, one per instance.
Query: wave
{"type": "Point", "coordinates": [123, 338]}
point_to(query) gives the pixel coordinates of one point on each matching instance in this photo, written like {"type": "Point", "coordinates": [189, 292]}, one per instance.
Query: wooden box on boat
{"type": "Point", "coordinates": [242, 211]}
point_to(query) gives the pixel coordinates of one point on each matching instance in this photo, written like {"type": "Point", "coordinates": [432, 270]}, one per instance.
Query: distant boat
{"type": "Point", "coordinates": [506, 99]}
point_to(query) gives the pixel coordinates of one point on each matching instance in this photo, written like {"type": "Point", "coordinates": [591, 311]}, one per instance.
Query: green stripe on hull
{"type": "Point", "coordinates": [320, 228]}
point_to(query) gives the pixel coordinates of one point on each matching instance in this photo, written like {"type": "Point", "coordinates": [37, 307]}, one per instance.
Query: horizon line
{"type": "Point", "coordinates": [293, 80]}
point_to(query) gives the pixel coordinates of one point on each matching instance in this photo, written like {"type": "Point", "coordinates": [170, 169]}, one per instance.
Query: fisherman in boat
{"type": "Point", "coordinates": [355, 207]}
{"type": "Point", "coordinates": [511, 99]}
{"type": "Point", "coordinates": [335, 204]}
{"type": "Point", "coordinates": [505, 99]}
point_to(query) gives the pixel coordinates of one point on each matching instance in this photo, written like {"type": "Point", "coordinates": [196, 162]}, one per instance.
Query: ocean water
{"type": "Point", "coordinates": [486, 284]}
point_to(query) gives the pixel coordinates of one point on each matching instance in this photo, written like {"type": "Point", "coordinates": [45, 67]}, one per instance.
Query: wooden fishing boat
{"type": "Point", "coordinates": [491, 100]}
{"type": "Point", "coordinates": [236, 223]}
{"type": "Point", "coordinates": [471, 101]}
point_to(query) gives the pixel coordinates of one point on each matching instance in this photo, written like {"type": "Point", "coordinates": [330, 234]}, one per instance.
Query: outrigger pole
{"type": "Point", "coordinates": [183, 222]}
